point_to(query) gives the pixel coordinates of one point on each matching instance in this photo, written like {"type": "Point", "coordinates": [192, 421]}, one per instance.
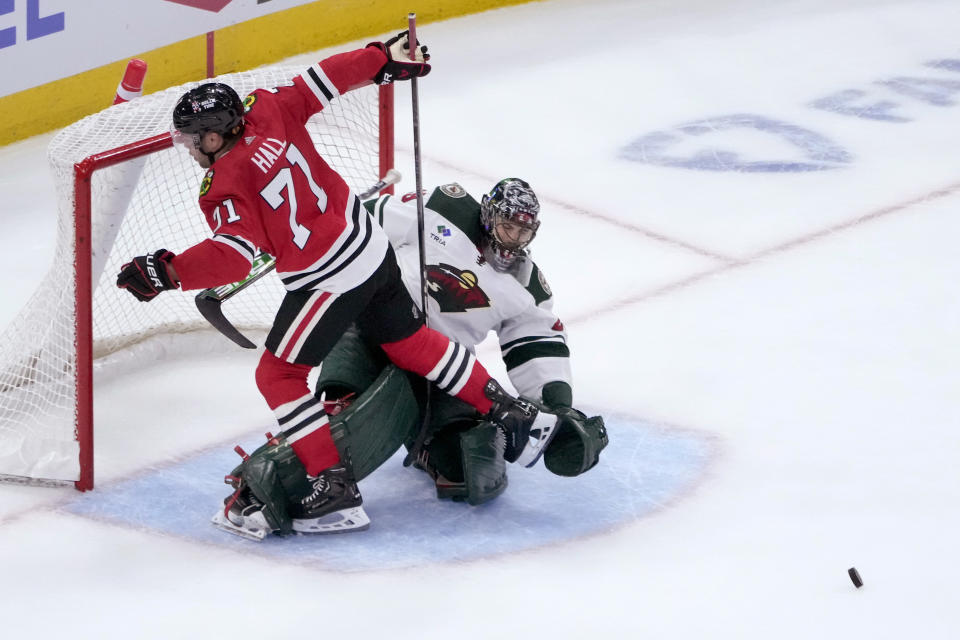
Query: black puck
{"type": "Point", "coordinates": [855, 577]}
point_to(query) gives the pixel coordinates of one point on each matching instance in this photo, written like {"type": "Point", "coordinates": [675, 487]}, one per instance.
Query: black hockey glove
{"type": "Point", "coordinates": [577, 444]}
{"type": "Point", "coordinates": [399, 66]}
{"type": "Point", "coordinates": [146, 276]}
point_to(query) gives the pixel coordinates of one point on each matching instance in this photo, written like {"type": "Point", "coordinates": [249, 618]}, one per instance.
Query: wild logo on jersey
{"type": "Point", "coordinates": [455, 290]}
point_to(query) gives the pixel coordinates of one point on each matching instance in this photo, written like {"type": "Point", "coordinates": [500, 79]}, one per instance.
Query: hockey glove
{"type": "Point", "coordinates": [146, 276]}
{"type": "Point", "coordinates": [577, 444]}
{"type": "Point", "coordinates": [399, 66]}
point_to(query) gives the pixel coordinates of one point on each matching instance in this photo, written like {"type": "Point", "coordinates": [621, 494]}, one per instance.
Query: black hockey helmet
{"type": "Point", "coordinates": [210, 107]}
{"type": "Point", "coordinates": [510, 217]}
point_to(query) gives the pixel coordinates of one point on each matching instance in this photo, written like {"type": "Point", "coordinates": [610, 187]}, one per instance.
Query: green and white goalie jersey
{"type": "Point", "coordinates": [468, 298]}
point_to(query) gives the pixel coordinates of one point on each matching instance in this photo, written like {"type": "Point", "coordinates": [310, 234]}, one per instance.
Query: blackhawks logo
{"type": "Point", "coordinates": [455, 290]}
{"type": "Point", "coordinates": [248, 102]}
{"type": "Point", "coordinates": [206, 183]}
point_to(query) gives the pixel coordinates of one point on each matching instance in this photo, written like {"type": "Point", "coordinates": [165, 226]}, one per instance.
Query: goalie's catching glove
{"type": "Point", "coordinates": [399, 66]}
{"type": "Point", "coordinates": [577, 444]}
{"type": "Point", "coordinates": [146, 276]}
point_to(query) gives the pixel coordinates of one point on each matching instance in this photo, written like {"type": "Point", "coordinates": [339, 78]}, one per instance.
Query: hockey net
{"type": "Point", "coordinates": [123, 191]}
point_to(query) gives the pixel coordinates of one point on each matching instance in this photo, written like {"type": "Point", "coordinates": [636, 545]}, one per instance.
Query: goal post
{"type": "Point", "coordinates": [123, 190]}
{"type": "Point", "coordinates": [83, 258]}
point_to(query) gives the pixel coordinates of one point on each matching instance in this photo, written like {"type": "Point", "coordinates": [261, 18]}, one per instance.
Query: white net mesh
{"type": "Point", "coordinates": [138, 206]}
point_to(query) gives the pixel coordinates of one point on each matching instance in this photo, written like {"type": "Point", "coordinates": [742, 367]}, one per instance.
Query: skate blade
{"type": "Point", "coordinates": [351, 519]}
{"type": "Point", "coordinates": [531, 454]}
{"type": "Point", "coordinates": [250, 533]}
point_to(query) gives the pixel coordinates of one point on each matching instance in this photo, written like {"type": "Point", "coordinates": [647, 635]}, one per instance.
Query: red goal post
{"type": "Point", "coordinates": [124, 191]}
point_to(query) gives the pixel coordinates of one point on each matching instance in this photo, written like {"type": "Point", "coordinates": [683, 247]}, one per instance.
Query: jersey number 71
{"type": "Point", "coordinates": [273, 193]}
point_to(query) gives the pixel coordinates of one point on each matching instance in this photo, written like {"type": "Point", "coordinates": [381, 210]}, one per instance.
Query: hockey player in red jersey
{"type": "Point", "coordinates": [268, 189]}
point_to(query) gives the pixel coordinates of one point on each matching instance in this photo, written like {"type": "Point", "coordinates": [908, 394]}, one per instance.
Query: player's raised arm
{"type": "Point", "coordinates": [378, 62]}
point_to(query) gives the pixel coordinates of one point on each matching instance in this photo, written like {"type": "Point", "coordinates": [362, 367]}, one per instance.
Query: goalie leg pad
{"type": "Point", "coordinates": [275, 475]}
{"type": "Point", "coordinates": [576, 445]}
{"type": "Point", "coordinates": [376, 424]}
{"type": "Point", "coordinates": [484, 469]}
{"type": "Point", "coordinates": [261, 472]}
{"type": "Point", "coordinates": [351, 365]}
{"type": "Point", "coordinates": [467, 465]}
{"type": "Point", "coordinates": [384, 412]}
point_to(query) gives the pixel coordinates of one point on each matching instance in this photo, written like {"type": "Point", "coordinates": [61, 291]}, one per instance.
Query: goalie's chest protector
{"type": "Point", "coordinates": [466, 297]}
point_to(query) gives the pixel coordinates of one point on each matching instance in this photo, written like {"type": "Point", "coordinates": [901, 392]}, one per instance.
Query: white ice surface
{"type": "Point", "coordinates": [804, 324]}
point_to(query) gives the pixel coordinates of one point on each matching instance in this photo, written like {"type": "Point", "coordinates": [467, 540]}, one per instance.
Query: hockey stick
{"type": "Point", "coordinates": [417, 445]}
{"type": "Point", "coordinates": [209, 301]}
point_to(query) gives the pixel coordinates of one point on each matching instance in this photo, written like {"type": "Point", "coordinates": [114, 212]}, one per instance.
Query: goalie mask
{"type": "Point", "coordinates": [210, 107]}
{"type": "Point", "coordinates": [509, 215]}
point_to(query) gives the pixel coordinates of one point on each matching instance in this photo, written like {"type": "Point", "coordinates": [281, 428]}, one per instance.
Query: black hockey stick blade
{"type": "Point", "coordinates": [210, 301]}
{"type": "Point", "coordinates": [210, 308]}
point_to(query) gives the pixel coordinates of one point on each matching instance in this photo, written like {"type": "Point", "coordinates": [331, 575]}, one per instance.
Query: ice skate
{"type": "Point", "coordinates": [333, 506]}
{"type": "Point", "coordinates": [242, 515]}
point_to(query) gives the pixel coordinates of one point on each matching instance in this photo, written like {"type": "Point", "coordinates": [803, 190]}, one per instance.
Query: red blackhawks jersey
{"type": "Point", "coordinates": [273, 192]}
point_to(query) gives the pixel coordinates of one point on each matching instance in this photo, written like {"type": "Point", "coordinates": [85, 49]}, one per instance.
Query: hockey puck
{"type": "Point", "coordinates": [855, 577]}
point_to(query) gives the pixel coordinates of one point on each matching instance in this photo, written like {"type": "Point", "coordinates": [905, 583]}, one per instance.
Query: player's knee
{"type": "Point", "coordinates": [274, 376]}
{"type": "Point", "coordinates": [417, 352]}
{"type": "Point", "coordinates": [265, 372]}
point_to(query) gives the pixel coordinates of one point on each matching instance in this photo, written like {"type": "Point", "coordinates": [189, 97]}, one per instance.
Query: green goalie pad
{"type": "Point", "coordinates": [366, 434]}
{"type": "Point", "coordinates": [377, 423]}
{"type": "Point", "coordinates": [276, 476]}
{"type": "Point", "coordinates": [576, 447]}
{"type": "Point", "coordinates": [382, 416]}
{"type": "Point", "coordinates": [351, 365]}
{"type": "Point", "coordinates": [468, 465]}
{"type": "Point", "coordinates": [484, 469]}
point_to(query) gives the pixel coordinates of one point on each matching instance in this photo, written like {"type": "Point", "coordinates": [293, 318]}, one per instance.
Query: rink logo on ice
{"type": "Point", "coordinates": [876, 101]}
{"type": "Point", "coordinates": [756, 143]}
{"type": "Point", "coordinates": [37, 25]}
{"type": "Point", "coordinates": [696, 145]}
{"type": "Point", "coordinates": [646, 468]}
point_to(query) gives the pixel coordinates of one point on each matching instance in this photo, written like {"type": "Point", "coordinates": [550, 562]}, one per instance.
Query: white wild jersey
{"type": "Point", "coordinates": [467, 298]}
